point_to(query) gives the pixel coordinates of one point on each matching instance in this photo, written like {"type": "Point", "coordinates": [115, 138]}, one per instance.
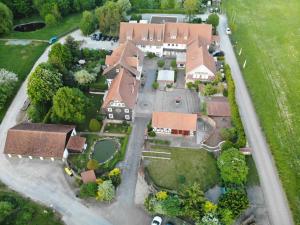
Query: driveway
{"type": "Point", "coordinates": [274, 195]}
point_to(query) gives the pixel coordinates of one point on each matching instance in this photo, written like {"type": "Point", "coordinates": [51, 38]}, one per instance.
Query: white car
{"type": "Point", "coordinates": [157, 220]}
{"type": "Point", "coordinates": [228, 31]}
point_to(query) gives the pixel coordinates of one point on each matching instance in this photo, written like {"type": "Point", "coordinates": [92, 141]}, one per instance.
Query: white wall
{"type": "Point", "coordinates": [200, 73]}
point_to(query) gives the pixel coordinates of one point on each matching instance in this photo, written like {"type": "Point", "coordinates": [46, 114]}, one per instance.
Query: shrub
{"type": "Point", "coordinates": [106, 191]}
{"type": "Point", "coordinates": [173, 64]}
{"type": "Point", "coordinates": [6, 18]}
{"type": "Point", "coordinates": [213, 19]}
{"type": "Point", "coordinates": [50, 20]}
{"type": "Point", "coordinates": [155, 85]}
{"type": "Point", "coordinates": [8, 82]}
{"type": "Point", "coordinates": [87, 23]}
{"type": "Point", "coordinates": [88, 190]}
{"type": "Point", "coordinates": [84, 77]}
{"type": "Point", "coordinates": [152, 133]}
{"type": "Point", "coordinates": [115, 176]}
{"type": "Point", "coordinates": [92, 164]}
{"type": "Point", "coordinates": [160, 63]}
{"type": "Point", "coordinates": [136, 17]}
{"type": "Point", "coordinates": [229, 134]}
{"type": "Point", "coordinates": [94, 125]}
{"type": "Point", "coordinates": [226, 145]}
{"type": "Point", "coordinates": [209, 90]}
{"type": "Point", "coordinates": [161, 195]}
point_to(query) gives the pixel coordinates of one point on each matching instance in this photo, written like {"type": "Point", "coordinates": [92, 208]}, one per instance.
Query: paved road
{"type": "Point", "coordinates": [45, 182]}
{"type": "Point", "coordinates": [275, 198]}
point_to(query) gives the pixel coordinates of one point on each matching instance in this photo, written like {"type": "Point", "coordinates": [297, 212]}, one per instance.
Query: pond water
{"type": "Point", "coordinates": [104, 150]}
{"type": "Point", "coordinates": [29, 26]}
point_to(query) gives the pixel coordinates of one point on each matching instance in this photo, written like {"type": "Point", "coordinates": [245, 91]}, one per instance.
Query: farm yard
{"type": "Point", "coordinates": [269, 37]}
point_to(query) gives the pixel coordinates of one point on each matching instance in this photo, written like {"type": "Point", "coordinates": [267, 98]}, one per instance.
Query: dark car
{"type": "Point", "coordinates": [103, 38]}
{"type": "Point", "coordinates": [110, 38]}
{"type": "Point", "coordinates": [218, 53]}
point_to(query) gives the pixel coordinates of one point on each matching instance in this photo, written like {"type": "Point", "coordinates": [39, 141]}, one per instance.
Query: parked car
{"type": "Point", "coordinates": [52, 40]}
{"type": "Point", "coordinates": [69, 171]}
{"type": "Point", "coordinates": [228, 30]}
{"type": "Point", "coordinates": [157, 220]}
{"type": "Point", "coordinates": [218, 53]}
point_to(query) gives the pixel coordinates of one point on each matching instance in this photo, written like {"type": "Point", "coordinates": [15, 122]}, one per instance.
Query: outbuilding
{"type": "Point", "coordinates": [165, 77]}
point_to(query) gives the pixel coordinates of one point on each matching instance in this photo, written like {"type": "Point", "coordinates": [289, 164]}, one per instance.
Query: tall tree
{"type": "Point", "coordinates": [8, 82]}
{"type": "Point", "coordinates": [6, 18]}
{"type": "Point", "coordinates": [43, 84]}
{"type": "Point", "coordinates": [167, 4]}
{"type": "Point", "coordinates": [60, 56]}
{"type": "Point", "coordinates": [233, 167]}
{"type": "Point", "coordinates": [191, 7]}
{"type": "Point", "coordinates": [213, 19]}
{"type": "Point", "coordinates": [87, 23]}
{"type": "Point", "coordinates": [69, 105]}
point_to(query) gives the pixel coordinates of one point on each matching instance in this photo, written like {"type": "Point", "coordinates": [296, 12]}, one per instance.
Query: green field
{"type": "Point", "coordinates": [269, 33]}
{"type": "Point", "coordinates": [19, 59]}
{"type": "Point", "coordinates": [185, 167]}
{"type": "Point", "coordinates": [66, 25]}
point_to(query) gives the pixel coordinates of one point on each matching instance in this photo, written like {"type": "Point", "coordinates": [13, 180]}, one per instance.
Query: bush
{"type": "Point", "coordinates": [151, 55]}
{"type": "Point", "coordinates": [92, 164]}
{"type": "Point", "coordinates": [229, 134]}
{"type": "Point", "coordinates": [213, 19]}
{"type": "Point", "coordinates": [94, 125]}
{"type": "Point", "coordinates": [88, 190]}
{"type": "Point", "coordinates": [160, 63]}
{"type": "Point", "coordinates": [136, 17]}
{"type": "Point", "coordinates": [196, 20]}
{"type": "Point", "coordinates": [161, 195]}
{"type": "Point", "coordinates": [173, 64]}
{"type": "Point", "coordinates": [87, 23]}
{"type": "Point", "coordinates": [209, 90]}
{"type": "Point", "coordinates": [115, 176]}
{"type": "Point", "coordinates": [155, 85]}
{"type": "Point", "coordinates": [50, 20]}
{"type": "Point", "coordinates": [226, 145]}
{"type": "Point", "coordinates": [84, 77]}
{"type": "Point", "coordinates": [8, 82]}
{"type": "Point", "coordinates": [152, 133]}
{"type": "Point", "coordinates": [106, 191]}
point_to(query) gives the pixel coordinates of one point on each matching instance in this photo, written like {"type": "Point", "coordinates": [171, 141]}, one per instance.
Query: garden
{"type": "Point", "coordinates": [16, 209]}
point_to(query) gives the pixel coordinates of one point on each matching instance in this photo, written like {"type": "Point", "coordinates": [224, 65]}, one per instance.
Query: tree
{"type": "Point", "coordinates": [192, 202]}
{"type": "Point", "coordinates": [171, 206]}
{"type": "Point", "coordinates": [226, 216]}
{"type": "Point", "coordinates": [191, 7]}
{"type": "Point", "coordinates": [84, 77]}
{"type": "Point", "coordinates": [64, 6]}
{"type": "Point", "coordinates": [69, 105]}
{"type": "Point", "coordinates": [234, 200]}
{"type": "Point", "coordinates": [6, 209]}
{"type": "Point", "coordinates": [109, 17]}
{"type": "Point", "coordinates": [50, 20]}
{"type": "Point", "coordinates": [209, 207]}
{"type": "Point", "coordinates": [19, 8]}
{"type": "Point", "coordinates": [92, 164]}
{"type": "Point", "coordinates": [74, 47]}
{"type": "Point", "coordinates": [213, 19]}
{"type": "Point", "coordinates": [124, 6]}
{"type": "Point", "coordinates": [155, 85]}
{"type": "Point", "coordinates": [233, 167]}
{"type": "Point", "coordinates": [88, 190]}
{"type": "Point", "coordinates": [106, 191]}
{"type": "Point", "coordinates": [226, 145]}
{"type": "Point", "coordinates": [229, 134]}
{"type": "Point", "coordinates": [43, 85]}
{"type": "Point", "coordinates": [209, 90]}
{"type": "Point", "coordinates": [94, 125]}
{"type": "Point", "coordinates": [87, 23]}
{"type": "Point", "coordinates": [80, 5]}
{"type": "Point", "coordinates": [160, 63]}
{"type": "Point", "coordinates": [8, 82]}
{"type": "Point", "coordinates": [37, 112]}
{"type": "Point", "coordinates": [209, 219]}
{"type": "Point", "coordinates": [6, 18]}
{"type": "Point", "coordinates": [173, 64]}
{"type": "Point", "coordinates": [60, 56]}
{"type": "Point", "coordinates": [167, 4]}
{"type": "Point", "coordinates": [115, 176]}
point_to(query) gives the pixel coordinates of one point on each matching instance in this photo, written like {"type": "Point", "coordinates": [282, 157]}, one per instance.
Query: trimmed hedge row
{"type": "Point", "coordinates": [235, 115]}
{"type": "Point", "coordinates": [165, 11]}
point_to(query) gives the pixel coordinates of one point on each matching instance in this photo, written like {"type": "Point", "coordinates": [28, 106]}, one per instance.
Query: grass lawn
{"type": "Point", "coordinates": [269, 35]}
{"type": "Point", "coordinates": [185, 167]}
{"type": "Point", "coordinates": [25, 211]}
{"type": "Point", "coordinates": [253, 178]}
{"type": "Point", "coordinates": [19, 59]}
{"type": "Point", "coordinates": [116, 128]}
{"type": "Point", "coordinates": [66, 25]}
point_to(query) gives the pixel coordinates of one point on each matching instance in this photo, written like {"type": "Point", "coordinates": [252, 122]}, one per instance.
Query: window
{"type": "Point", "coordinates": [110, 116]}
{"type": "Point", "coordinates": [109, 109]}
{"type": "Point", "coordinates": [127, 117]}
{"type": "Point", "coordinates": [117, 70]}
{"type": "Point", "coordinates": [126, 110]}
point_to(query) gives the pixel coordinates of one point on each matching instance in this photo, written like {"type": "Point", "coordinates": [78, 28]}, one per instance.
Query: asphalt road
{"type": "Point", "coordinates": [274, 195]}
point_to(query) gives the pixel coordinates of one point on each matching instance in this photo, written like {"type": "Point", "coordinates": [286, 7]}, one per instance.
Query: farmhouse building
{"type": "Point", "coordinates": [174, 123]}
{"type": "Point", "coordinates": [42, 141]}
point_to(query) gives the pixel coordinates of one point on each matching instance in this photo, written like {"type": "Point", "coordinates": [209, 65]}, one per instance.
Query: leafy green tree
{"type": "Point", "coordinates": [69, 105]}
{"type": "Point", "coordinates": [106, 191]}
{"type": "Point", "coordinates": [167, 4]}
{"type": "Point", "coordinates": [6, 209]}
{"type": "Point", "coordinates": [25, 215]}
{"type": "Point", "coordinates": [226, 145]}
{"type": "Point", "coordinates": [192, 201]}
{"type": "Point", "coordinates": [87, 23]}
{"type": "Point", "coordinates": [226, 216]}
{"type": "Point", "coordinates": [124, 6]}
{"type": "Point", "coordinates": [94, 125]}
{"type": "Point", "coordinates": [160, 63]}
{"type": "Point", "coordinates": [213, 19]}
{"type": "Point", "coordinates": [171, 206]}
{"type": "Point", "coordinates": [48, 7]}
{"type": "Point", "coordinates": [209, 207]}
{"type": "Point", "coordinates": [92, 164]}
{"type": "Point", "coordinates": [60, 57]}
{"type": "Point", "coordinates": [64, 6]}
{"type": "Point", "coordinates": [74, 47]}
{"type": "Point", "coordinates": [37, 112]}
{"type": "Point", "coordinates": [43, 84]}
{"type": "Point", "coordinates": [229, 134]}
{"type": "Point", "coordinates": [50, 20]}
{"type": "Point", "coordinates": [109, 17]}
{"type": "Point", "coordinates": [6, 18]}
{"type": "Point", "coordinates": [8, 82]}
{"type": "Point", "coordinates": [209, 90]}
{"type": "Point", "coordinates": [234, 200]}
{"type": "Point", "coordinates": [173, 64]}
{"type": "Point", "coordinates": [191, 7]}
{"type": "Point", "coordinates": [233, 167]}
{"type": "Point", "coordinates": [155, 85]}
{"type": "Point", "coordinates": [80, 5]}
{"type": "Point", "coordinates": [88, 190]}
{"type": "Point", "coordinates": [84, 77]}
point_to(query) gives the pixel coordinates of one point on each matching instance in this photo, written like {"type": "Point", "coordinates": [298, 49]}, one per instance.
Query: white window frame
{"type": "Point", "coordinates": [127, 117]}
{"type": "Point", "coordinates": [126, 110]}
{"type": "Point", "coordinates": [109, 109]}
{"type": "Point", "coordinates": [110, 116]}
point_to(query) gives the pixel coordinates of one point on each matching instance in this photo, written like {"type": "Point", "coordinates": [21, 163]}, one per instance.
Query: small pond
{"type": "Point", "coordinates": [105, 150]}
{"type": "Point", "coordinates": [27, 27]}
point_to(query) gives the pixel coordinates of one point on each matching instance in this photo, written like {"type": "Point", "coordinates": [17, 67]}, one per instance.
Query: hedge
{"type": "Point", "coordinates": [235, 115]}
{"type": "Point", "coordinates": [165, 11]}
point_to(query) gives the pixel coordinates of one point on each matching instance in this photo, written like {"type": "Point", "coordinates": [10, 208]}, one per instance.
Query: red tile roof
{"type": "Point", "coordinates": [76, 143]}
{"type": "Point", "coordinates": [218, 106]}
{"type": "Point", "coordinates": [88, 176]}
{"type": "Point", "coordinates": [174, 120]}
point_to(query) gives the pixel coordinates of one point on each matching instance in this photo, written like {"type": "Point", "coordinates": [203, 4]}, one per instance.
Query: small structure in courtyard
{"type": "Point", "coordinates": [88, 176]}
{"type": "Point", "coordinates": [165, 77]}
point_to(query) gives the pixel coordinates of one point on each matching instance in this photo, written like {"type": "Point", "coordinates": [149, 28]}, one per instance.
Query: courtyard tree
{"type": "Point", "coordinates": [8, 82]}
{"type": "Point", "coordinates": [6, 18]}
{"type": "Point", "coordinates": [87, 23]}
{"type": "Point", "coordinates": [234, 200]}
{"type": "Point", "coordinates": [84, 77]}
{"type": "Point", "coordinates": [106, 191]}
{"type": "Point", "coordinates": [69, 105]}
{"type": "Point", "coordinates": [60, 56]}
{"type": "Point", "coordinates": [155, 85]}
{"type": "Point", "coordinates": [43, 85]}
{"type": "Point", "coordinates": [191, 7]}
{"type": "Point", "coordinates": [160, 63]}
{"type": "Point", "coordinates": [213, 19]}
{"type": "Point", "coordinates": [233, 167]}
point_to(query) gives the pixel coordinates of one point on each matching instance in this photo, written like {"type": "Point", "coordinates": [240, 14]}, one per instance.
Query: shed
{"type": "Point", "coordinates": [165, 77]}
{"type": "Point", "coordinates": [218, 107]}
{"type": "Point", "coordinates": [88, 176]}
